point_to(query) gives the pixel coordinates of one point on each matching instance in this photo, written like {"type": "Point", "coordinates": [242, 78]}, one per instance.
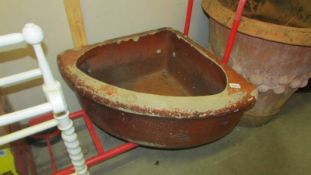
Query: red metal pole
{"type": "Point", "coordinates": [93, 134]}
{"type": "Point", "coordinates": [111, 153]}
{"type": "Point", "coordinates": [90, 128]}
{"type": "Point", "coordinates": [188, 17]}
{"type": "Point", "coordinates": [104, 155]}
{"type": "Point", "coordinates": [52, 159]}
{"type": "Point", "coordinates": [77, 114]}
{"type": "Point", "coordinates": [101, 157]}
{"type": "Point", "coordinates": [233, 32]}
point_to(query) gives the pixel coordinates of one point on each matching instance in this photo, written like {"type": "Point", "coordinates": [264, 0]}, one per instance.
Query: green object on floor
{"type": "Point", "coordinates": [7, 166]}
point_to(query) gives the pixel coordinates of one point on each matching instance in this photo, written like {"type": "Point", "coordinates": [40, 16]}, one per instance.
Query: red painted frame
{"type": "Point", "coordinates": [234, 29]}
{"type": "Point", "coordinates": [102, 155]}
{"type": "Point", "coordinates": [188, 17]}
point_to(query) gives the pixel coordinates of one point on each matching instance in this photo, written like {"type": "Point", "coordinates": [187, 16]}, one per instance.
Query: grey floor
{"type": "Point", "coordinates": [279, 147]}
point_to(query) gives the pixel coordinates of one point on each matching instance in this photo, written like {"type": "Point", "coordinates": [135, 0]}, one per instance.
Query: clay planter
{"type": "Point", "coordinates": [157, 89]}
{"type": "Point", "coordinates": [272, 49]}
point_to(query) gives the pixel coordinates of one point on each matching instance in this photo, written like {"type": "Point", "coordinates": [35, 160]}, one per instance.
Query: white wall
{"type": "Point", "coordinates": [104, 19]}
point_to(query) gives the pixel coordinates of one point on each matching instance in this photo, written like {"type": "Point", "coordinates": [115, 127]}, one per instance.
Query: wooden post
{"type": "Point", "coordinates": [75, 19]}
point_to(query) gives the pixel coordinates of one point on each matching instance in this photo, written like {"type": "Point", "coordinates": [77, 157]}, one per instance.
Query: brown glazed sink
{"type": "Point", "coordinates": [158, 89]}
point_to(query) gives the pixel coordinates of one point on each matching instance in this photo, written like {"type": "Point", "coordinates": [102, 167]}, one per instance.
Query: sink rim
{"type": "Point", "coordinates": [180, 107]}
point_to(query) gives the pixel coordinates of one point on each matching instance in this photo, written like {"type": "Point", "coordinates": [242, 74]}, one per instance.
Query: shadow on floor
{"type": "Point", "coordinates": [279, 147]}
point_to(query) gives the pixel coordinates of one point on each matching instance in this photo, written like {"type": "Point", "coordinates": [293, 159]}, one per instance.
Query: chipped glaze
{"type": "Point", "coordinates": [146, 107]}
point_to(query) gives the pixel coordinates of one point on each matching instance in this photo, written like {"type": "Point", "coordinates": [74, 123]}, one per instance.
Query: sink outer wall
{"type": "Point", "coordinates": [159, 132]}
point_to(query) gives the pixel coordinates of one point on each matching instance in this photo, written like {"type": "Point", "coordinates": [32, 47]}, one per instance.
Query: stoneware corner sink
{"type": "Point", "coordinates": [158, 89]}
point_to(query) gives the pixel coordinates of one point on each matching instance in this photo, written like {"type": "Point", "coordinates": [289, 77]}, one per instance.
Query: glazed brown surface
{"type": "Point", "coordinates": [158, 89]}
{"type": "Point", "coordinates": [158, 64]}
{"type": "Point", "coordinates": [161, 133]}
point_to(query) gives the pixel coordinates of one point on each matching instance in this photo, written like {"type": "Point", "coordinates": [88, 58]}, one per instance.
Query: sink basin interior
{"type": "Point", "coordinates": [160, 63]}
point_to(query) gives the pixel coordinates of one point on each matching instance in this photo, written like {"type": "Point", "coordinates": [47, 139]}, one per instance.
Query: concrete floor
{"type": "Point", "coordinates": [279, 147]}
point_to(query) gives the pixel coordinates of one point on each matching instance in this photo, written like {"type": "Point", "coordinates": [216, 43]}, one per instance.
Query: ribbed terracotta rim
{"type": "Point", "coordinates": [231, 99]}
{"type": "Point", "coordinates": [256, 28]}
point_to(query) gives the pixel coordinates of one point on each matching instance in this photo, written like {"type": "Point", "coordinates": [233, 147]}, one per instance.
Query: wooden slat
{"type": "Point", "coordinates": [4, 108]}
{"type": "Point", "coordinates": [75, 20]}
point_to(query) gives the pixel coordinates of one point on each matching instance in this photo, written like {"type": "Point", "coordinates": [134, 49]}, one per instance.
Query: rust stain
{"type": "Point", "coordinates": [108, 90]}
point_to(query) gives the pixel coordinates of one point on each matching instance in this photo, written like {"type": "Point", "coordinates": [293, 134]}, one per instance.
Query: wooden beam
{"type": "Point", "coordinates": [75, 20]}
